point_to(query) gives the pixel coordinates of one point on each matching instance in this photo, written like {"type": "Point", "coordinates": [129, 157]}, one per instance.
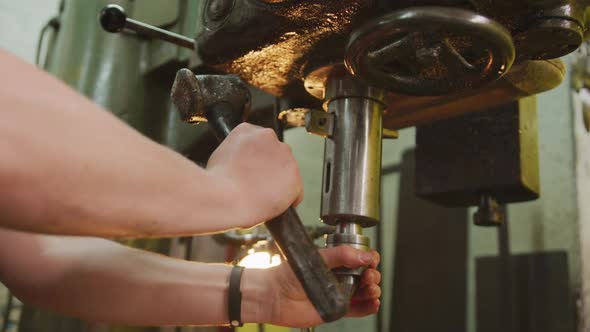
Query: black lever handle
{"type": "Point", "coordinates": [113, 19]}
{"type": "Point", "coordinates": [223, 102]}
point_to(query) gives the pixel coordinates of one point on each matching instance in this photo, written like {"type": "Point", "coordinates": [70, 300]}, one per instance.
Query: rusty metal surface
{"type": "Point", "coordinates": [495, 152]}
{"type": "Point", "coordinates": [196, 95]}
{"type": "Point", "coordinates": [272, 45]}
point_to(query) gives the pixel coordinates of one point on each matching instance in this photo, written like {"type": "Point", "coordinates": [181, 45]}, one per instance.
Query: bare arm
{"type": "Point", "coordinates": [102, 281]}
{"type": "Point", "coordinates": [69, 167]}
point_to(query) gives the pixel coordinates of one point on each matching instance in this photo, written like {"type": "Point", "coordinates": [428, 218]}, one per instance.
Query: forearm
{"type": "Point", "coordinates": [69, 167]}
{"type": "Point", "coordinates": [101, 281]}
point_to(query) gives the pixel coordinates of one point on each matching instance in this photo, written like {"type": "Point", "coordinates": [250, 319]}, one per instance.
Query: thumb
{"type": "Point", "coordinates": [346, 256]}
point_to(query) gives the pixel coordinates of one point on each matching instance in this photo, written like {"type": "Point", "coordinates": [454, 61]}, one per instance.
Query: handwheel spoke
{"type": "Point", "coordinates": [453, 59]}
{"type": "Point", "coordinates": [430, 51]}
{"type": "Point", "coordinates": [400, 50]}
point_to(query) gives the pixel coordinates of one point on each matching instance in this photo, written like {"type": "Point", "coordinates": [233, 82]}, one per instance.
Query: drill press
{"type": "Point", "coordinates": [419, 51]}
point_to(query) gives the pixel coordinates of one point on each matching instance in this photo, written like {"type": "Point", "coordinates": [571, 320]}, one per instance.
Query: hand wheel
{"type": "Point", "coordinates": [430, 51]}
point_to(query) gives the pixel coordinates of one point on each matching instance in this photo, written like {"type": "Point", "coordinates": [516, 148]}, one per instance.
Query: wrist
{"type": "Point", "coordinates": [257, 296]}
{"type": "Point", "coordinates": [228, 201]}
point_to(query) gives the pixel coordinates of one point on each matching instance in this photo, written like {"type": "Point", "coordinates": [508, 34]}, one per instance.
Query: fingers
{"type": "Point", "coordinates": [268, 133]}
{"type": "Point", "coordinates": [370, 292]}
{"type": "Point", "coordinates": [366, 299]}
{"type": "Point", "coordinates": [298, 200]}
{"type": "Point", "coordinates": [370, 277]}
{"type": "Point", "coordinates": [346, 256]}
{"type": "Point", "coordinates": [376, 259]}
{"type": "Point", "coordinates": [369, 286]}
{"type": "Point", "coordinates": [292, 170]}
{"type": "Point", "coordinates": [365, 308]}
{"type": "Point", "coordinates": [289, 168]}
{"type": "Point", "coordinates": [246, 127]}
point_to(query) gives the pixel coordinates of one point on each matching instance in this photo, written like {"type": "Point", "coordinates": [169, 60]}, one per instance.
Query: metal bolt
{"type": "Point", "coordinates": [488, 212]}
{"type": "Point", "coordinates": [219, 9]}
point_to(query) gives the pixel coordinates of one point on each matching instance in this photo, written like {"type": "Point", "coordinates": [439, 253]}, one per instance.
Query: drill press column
{"type": "Point", "coordinates": [352, 165]}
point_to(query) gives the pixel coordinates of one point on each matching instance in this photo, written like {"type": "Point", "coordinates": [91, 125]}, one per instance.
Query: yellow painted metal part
{"type": "Point", "coordinates": [267, 328]}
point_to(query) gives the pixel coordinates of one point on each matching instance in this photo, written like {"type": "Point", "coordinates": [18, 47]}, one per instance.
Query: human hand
{"type": "Point", "coordinates": [260, 170]}
{"type": "Point", "coordinates": [282, 301]}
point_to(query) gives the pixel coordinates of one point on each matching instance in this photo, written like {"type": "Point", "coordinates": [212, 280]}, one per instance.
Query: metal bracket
{"type": "Point", "coordinates": [319, 123]}
{"type": "Point", "coordinates": [390, 134]}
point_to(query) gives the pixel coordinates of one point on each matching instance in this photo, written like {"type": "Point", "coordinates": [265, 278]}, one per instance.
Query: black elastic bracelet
{"type": "Point", "coordinates": [234, 298]}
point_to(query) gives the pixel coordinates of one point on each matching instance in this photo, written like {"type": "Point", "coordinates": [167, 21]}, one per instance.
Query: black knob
{"type": "Point", "coordinates": [112, 18]}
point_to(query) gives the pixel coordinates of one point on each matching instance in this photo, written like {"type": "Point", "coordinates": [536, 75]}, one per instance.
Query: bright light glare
{"type": "Point", "coordinates": [260, 260]}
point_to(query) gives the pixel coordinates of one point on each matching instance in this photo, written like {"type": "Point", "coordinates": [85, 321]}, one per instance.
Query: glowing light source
{"type": "Point", "coordinates": [260, 260]}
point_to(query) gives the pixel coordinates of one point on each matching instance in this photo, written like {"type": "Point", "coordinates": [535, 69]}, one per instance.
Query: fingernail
{"type": "Point", "coordinates": [366, 257]}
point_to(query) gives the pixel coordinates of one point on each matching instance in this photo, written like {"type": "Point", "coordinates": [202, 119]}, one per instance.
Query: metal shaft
{"type": "Point", "coordinates": [157, 33]}
{"type": "Point", "coordinates": [352, 167]}
{"type": "Point", "coordinates": [352, 163]}
{"type": "Point", "coordinates": [114, 19]}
